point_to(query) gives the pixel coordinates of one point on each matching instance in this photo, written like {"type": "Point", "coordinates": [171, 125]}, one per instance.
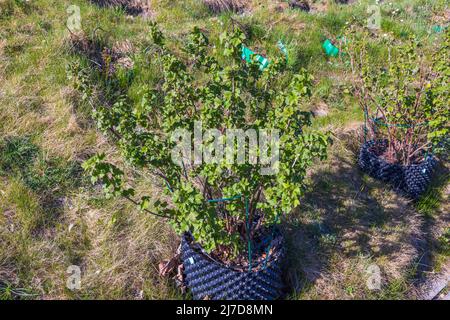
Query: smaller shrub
{"type": "Point", "coordinates": [405, 96]}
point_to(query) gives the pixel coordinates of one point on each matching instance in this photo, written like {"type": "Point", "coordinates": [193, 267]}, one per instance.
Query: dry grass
{"type": "Point", "coordinates": [125, 248]}
{"type": "Point", "coordinates": [361, 222]}
{"type": "Point", "coordinates": [218, 6]}
{"type": "Point", "coordinates": [131, 7]}
{"type": "Point", "coordinates": [346, 222]}
{"type": "Point", "coordinates": [117, 248]}
{"type": "Point", "coordinates": [320, 6]}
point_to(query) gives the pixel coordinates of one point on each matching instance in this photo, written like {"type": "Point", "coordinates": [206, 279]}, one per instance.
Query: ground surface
{"type": "Point", "coordinates": [51, 218]}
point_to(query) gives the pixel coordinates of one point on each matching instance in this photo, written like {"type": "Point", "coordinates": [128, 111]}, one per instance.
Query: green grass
{"type": "Point", "coordinates": [429, 203]}
{"type": "Point", "coordinates": [17, 153]}
{"type": "Point", "coordinates": [9, 292]}
{"type": "Point", "coordinates": [50, 219]}
{"type": "Point", "coordinates": [23, 159]}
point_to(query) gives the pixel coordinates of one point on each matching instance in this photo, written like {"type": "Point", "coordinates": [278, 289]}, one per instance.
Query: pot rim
{"type": "Point", "coordinates": [275, 256]}
{"type": "Point", "coordinates": [365, 146]}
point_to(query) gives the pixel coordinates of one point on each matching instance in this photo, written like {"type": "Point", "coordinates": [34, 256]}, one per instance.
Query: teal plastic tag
{"type": "Point", "coordinates": [247, 55]}
{"type": "Point", "coordinates": [438, 29]}
{"type": "Point", "coordinates": [283, 49]}
{"type": "Point", "coordinates": [330, 49]}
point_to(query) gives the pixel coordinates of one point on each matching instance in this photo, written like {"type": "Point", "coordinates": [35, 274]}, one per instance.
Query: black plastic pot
{"type": "Point", "coordinates": [210, 279]}
{"type": "Point", "coordinates": [413, 179]}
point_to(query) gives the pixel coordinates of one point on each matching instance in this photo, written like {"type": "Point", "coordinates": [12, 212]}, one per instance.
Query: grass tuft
{"type": "Point", "coordinates": [17, 153]}
{"type": "Point", "coordinates": [218, 6]}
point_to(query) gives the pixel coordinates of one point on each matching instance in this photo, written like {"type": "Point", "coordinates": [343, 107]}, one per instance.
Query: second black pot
{"type": "Point", "coordinates": [413, 179]}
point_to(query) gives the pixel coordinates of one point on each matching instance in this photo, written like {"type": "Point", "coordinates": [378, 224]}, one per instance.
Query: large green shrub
{"type": "Point", "coordinates": [203, 83]}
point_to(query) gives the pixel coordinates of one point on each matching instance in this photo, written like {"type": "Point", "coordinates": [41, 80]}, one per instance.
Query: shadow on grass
{"type": "Point", "coordinates": [429, 206]}
{"type": "Point", "coordinates": [49, 178]}
{"type": "Point", "coordinates": [346, 215]}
